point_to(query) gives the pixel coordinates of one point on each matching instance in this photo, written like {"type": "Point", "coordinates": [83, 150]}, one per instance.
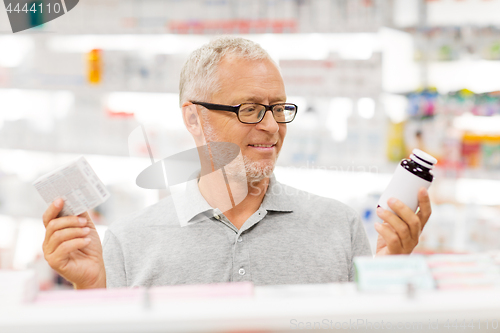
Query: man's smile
{"type": "Point", "coordinates": [263, 146]}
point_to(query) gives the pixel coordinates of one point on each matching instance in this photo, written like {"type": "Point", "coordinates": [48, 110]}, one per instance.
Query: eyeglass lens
{"type": "Point", "coordinates": [253, 113]}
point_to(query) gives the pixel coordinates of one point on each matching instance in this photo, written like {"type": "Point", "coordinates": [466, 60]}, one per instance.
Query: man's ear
{"type": "Point", "coordinates": [192, 119]}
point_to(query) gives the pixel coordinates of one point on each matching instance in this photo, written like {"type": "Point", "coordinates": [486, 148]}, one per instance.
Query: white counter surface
{"type": "Point", "coordinates": [266, 309]}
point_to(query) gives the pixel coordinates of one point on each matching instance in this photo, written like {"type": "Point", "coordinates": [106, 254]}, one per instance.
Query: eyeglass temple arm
{"type": "Point", "coordinates": [220, 107]}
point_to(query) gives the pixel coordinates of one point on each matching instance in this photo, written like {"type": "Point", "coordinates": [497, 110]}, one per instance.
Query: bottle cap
{"type": "Point", "coordinates": [423, 158]}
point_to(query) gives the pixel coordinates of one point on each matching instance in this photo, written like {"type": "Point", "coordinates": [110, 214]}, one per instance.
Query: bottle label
{"type": "Point", "coordinates": [403, 186]}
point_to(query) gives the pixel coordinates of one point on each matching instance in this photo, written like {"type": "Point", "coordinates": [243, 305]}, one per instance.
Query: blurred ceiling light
{"type": "Point", "coordinates": [297, 46]}
{"type": "Point", "coordinates": [317, 46]}
{"type": "Point", "coordinates": [13, 50]}
{"type": "Point", "coordinates": [400, 72]}
{"type": "Point", "coordinates": [478, 191]}
{"type": "Point", "coordinates": [359, 46]}
{"type": "Point", "coordinates": [63, 103]}
{"type": "Point", "coordinates": [478, 75]}
{"type": "Point", "coordinates": [20, 163]}
{"type": "Point", "coordinates": [395, 107]}
{"type": "Point", "coordinates": [270, 43]}
{"type": "Point", "coordinates": [40, 108]}
{"type": "Point", "coordinates": [302, 46]}
{"type": "Point", "coordinates": [147, 44]}
{"type": "Point", "coordinates": [340, 110]}
{"type": "Point", "coordinates": [477, 124]}
{"type": "Point", "coordinates": [366, 107]}
{"type": "Point", "coordinates": [161, 109]}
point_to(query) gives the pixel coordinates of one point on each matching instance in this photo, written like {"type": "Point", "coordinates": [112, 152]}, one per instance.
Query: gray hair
{"type": "Point", "coordinates": [199, 75]}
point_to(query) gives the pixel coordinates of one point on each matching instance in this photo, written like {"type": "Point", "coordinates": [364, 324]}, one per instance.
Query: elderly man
{"type": "Point", "coordinates": [273, 234]}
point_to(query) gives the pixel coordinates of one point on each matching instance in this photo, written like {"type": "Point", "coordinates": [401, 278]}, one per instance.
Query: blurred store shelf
{"type": "Point", "coordinates": [215, 17]}
{"type": "Point", "coordinates": [82, 84]}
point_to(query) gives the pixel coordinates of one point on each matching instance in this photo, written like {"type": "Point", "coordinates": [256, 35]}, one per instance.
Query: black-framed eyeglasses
{"type": "Point", "coordinates": [253, 113]}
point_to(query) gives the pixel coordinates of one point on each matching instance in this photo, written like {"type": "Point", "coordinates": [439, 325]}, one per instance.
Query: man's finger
{"type": "Point", "coordinates": [391, 238]}
{"type": "Point", "coordinates": [89, 222]}
{"type": "Point", "coordinates": [63, 235]}
{"type": "Point", "coordinates": [62, 252]}
{"type": "Point", "coordinates": [52, 211]}
{"type": "Point", "coordinates": [399, 227]}
{"type": "Point", "coordinates": [407, 216]}
{"type": "Point", "coordinates": [63, 223]}
{"type": "Point", "coordinates": [424, 202]}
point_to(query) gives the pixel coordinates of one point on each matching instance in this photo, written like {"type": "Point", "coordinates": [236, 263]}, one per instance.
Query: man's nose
{"type": "Point", "coordinates": [268, 124]}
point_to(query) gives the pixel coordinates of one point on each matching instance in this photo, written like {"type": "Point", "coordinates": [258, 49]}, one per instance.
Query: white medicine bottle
{"type": "Point", "coordinates": [410, 175]}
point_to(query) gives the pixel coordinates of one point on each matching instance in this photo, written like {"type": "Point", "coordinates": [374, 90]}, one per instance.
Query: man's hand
{"type": "Point", "coordinates": [399, 233]}
{"type": "Point", "coordinates": [73, 249]}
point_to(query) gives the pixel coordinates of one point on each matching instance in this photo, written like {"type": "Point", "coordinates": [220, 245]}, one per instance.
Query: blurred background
{"type": "Point", "coordinates": [373, 79]}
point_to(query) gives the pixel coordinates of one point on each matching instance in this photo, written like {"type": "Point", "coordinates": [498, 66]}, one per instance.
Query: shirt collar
{"type": "Point", "coordinates": [192, 207]}
{"type": "Point", "coordinates": [277, 198]}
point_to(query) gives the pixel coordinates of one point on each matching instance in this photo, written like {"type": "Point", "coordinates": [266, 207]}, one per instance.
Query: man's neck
{"type": "Point", "coordinates": [241, 207]}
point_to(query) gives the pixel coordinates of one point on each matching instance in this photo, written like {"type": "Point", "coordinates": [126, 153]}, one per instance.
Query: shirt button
{"type": "Point", "coordinates": [217, 217]}
{"type": "Point", "coordinates": [241, 271]}
{"type": "Point", "coordinates": [240, 239]}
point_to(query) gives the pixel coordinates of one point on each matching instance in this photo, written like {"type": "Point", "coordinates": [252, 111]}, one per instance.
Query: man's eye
{"type": "Point", "coordinates": [248, 109]}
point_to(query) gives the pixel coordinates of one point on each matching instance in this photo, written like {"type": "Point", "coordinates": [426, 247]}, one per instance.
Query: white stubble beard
{"type": "Point", "coordinates": [255, 170]}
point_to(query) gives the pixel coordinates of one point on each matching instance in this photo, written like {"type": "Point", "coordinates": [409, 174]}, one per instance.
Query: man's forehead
{"type": "Point", "coordinates": [235, 74]}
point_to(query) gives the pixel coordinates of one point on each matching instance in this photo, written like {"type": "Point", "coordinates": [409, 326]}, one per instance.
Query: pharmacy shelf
{"type": "Point", "coordinates": [86, 89]}
{"type": "Point", "coordinates": [194, 16]}
{"type": "Point", "coordinates": [271, 309]}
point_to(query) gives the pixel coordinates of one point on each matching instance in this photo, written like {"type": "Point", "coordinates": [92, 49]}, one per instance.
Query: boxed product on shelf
{"type": "Point", "coordinates": [392, 273]}
{"type": "Point", "coordinates": [463, 271]}
{"type": "Point", "coordinates": [405, 273]}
